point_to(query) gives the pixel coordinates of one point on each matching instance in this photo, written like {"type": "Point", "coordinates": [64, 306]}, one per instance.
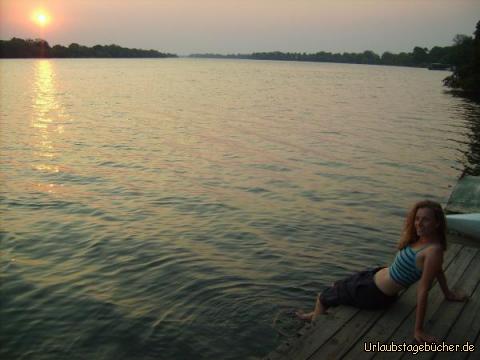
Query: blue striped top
{"type": "Point", "coordinates": [404, 269]}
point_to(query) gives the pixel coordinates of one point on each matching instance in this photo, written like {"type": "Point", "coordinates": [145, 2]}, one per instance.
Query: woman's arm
{"type": "Point", "coordinates": [431, 267]}
{"type": "Point", "coordinates": [449, 294]}
{"type": "Point", "coordinates": [442, 281]}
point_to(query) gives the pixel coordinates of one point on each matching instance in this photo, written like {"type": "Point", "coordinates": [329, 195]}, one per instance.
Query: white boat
{"type": "Point", "coordinates": [466, 224]}
{"type": "Point", "coordinates": [463, 207]}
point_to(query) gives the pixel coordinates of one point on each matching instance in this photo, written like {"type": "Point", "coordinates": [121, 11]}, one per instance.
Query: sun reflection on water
{"type": "Point", "coordinates": [46, 112]}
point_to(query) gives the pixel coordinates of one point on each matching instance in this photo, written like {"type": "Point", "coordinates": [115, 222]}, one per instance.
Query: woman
{"type": "Point", "coordinates": [420, 258]}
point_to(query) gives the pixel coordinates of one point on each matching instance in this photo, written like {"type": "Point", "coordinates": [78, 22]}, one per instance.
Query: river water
{"type": "Point", "coordinates": [173, 208]}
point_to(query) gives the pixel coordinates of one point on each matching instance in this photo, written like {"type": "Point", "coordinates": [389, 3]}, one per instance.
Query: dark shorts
{"type": "Point", "coordinates": [357, 290]}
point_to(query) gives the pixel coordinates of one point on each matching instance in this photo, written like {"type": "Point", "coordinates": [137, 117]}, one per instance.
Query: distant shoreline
{"type": "Point", "coordinates": [17, 48]}
{"type": "Point", "coordinates": [419, 57]}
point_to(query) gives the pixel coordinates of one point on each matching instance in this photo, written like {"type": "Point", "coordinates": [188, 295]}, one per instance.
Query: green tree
{"type": "Point", "coordinates": [466, 58]}
{"type": "Point", "coordinates": [440, 55]}
{"type": "Point", "coordinates": [420, 56]}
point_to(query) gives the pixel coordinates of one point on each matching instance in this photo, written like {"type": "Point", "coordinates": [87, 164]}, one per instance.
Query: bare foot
{"type": "Point", "coordinates": [304, 316]}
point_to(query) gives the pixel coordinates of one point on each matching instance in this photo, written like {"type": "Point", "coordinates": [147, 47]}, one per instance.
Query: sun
{"type": "Point", "coordinates": [41, 18]}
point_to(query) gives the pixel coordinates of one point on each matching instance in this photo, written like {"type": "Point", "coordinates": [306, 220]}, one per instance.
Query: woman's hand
{"type": "Point", "coordinates": [456, 296]}
{"type": "Point", "coordinates": [421, 337]}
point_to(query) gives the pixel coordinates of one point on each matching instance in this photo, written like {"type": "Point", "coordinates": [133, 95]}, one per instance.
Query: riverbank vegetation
{"type": "Point", "coordinates": [419, 57]}
{"type": "Point", "coordinates": [38, 48]}
{"type": "Point", "coordinates": [466, 76]}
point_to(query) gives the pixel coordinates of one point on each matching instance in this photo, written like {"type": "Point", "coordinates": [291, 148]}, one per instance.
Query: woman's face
{"type": "Point", "coordinates": [425, 222]}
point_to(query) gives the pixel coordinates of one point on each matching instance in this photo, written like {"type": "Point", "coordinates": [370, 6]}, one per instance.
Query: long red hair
{"type": "Point", "coordinates": [409, 235]}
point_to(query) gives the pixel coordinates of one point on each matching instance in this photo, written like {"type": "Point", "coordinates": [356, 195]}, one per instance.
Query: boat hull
{"type": "Point", "coordinates": [466, 224]}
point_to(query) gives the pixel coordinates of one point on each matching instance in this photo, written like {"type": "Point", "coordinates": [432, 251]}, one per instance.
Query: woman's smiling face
{"type": "Point", "coordinates": [425, 222]}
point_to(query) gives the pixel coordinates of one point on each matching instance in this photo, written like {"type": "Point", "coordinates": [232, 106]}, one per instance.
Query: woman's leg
{"type": "Point", "coordinates": [340, 293]}
{"type": "Point", "coordinates": [355, 290]}
{"type": "Point", "coordinates": [312, 316]}
{"type": "Point", "coordinates": [319, 309]}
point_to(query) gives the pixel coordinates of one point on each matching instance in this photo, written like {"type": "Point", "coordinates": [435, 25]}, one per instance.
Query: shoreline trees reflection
{"type": "Point", "coordinates": [471, 156]}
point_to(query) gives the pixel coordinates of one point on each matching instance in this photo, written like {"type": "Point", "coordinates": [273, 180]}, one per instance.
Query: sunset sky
{"type": "Point", "coordinates": [243, 26]}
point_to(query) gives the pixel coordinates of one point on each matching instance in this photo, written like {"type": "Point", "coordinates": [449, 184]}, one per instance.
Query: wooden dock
{"type": "Point", "coordinates": [344, 331]}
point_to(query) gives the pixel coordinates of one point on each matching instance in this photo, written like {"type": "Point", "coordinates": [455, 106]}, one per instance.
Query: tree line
{"type": "Point", "coordinates": [39, 48]}
{"type": "Point", "coordinates": [466, 76]}
{"type": "Point", "coordinates": [419, 57]}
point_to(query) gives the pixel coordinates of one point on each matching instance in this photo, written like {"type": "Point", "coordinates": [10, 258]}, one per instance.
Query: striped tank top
{"type": "Point", "coordinates": [404, 269]}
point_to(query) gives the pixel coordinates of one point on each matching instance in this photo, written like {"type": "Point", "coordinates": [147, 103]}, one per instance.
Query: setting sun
{"type": "Point", "coordinates": [40, 17]}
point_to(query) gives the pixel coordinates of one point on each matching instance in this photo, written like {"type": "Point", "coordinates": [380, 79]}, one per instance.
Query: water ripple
{"type": "Point", "coordinates": [177, 224]}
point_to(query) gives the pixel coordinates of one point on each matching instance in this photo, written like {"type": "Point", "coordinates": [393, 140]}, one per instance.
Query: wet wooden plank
{"type": "Point", "coordinates": [314, 336]}
{"type": "Point", "coordinates": [467, 326]}
{"type": "Point", "coordinates": [339, 344]}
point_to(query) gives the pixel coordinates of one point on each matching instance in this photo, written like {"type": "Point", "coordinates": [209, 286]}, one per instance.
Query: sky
{"type": "Point", "coordinates": [243, 26]}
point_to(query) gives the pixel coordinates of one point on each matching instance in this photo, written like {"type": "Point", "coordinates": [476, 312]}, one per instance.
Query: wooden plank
{"type": "Point", "coordinates": [467, 325]}
{"type": "Point", "coordinates": [390, 320]}
{"type": "Point", "coordinates": [313, 337]}
{"type": "Point", "coordinates": [338, 344]}
{"type": "Point", "coordinates": [447, 314]}
{"type": "Point", "coordinates": [463, 240]}
{"type": "Point", "coordinates": [474, 355]}
{"type": "Point", "coordinates": [404, 334]}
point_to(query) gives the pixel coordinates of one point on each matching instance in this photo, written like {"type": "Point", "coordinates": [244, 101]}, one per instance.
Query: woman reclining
{"type": "Point", "coordinates": [419, 258]}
